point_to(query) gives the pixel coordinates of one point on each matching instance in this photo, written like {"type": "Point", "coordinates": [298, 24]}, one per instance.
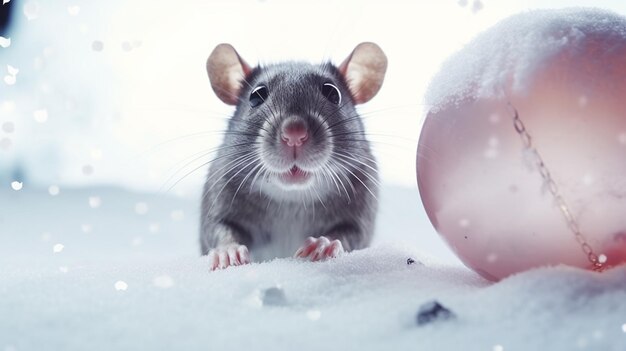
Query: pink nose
{"type": "Point", "coordinates": [294, 133]}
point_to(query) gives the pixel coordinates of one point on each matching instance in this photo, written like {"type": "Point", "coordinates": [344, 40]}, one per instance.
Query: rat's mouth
{"type": "Point", "coordinates": [295, 175]}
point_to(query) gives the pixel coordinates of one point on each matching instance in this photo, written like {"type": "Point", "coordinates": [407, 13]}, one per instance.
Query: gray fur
{"type": "Point", "coordinates": [241, 204]}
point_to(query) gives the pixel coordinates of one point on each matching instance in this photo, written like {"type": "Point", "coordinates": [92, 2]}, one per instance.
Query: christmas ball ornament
{"type": "Point", "coordinates": [521, 161]}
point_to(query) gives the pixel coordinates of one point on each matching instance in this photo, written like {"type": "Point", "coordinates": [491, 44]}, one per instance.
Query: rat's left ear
{"type": "Point", "coordinates": [227, 70]}
{"type": "Point", "coordinates": [364, 71]}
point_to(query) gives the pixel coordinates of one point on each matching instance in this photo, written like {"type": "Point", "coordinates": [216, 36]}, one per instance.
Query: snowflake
{"type": "Point", "coordinates": [313, 315]}
{"type": "Point", "coordinates": [163, 282]}
{"type": "Point", "coordinates": [95, 201]}
{"type": "Point", "coordinates": [121, 285]}
{"type": "Point", "coordinates": [54, 190]}
{"type": "Point", "coordinates": [5, 42]}
{"type": "Point", "coordinates": [73, 10]}
{"type": "Point", "coordinates": [141, 208]}
{"type": "Point", "coordinates": [41, 116]}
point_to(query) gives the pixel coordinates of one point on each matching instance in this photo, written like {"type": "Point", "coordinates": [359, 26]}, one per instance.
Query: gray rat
{"type": "Point", "coordinates": [295, 175]}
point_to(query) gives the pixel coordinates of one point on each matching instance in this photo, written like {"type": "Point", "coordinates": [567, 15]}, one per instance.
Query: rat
{"type": "Point", "coordinates": [295, 174]}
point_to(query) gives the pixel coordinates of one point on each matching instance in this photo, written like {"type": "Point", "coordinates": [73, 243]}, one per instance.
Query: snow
{"type": "Point", "coordinates": [512, 50]}
{"type": "Point", "coordinates": [102, 292]}
{"type": "Point", "coordinates": [5, 42]}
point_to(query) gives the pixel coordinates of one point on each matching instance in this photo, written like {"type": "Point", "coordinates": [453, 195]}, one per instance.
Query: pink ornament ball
{"type": "Point", "coordinates": [521, 161]}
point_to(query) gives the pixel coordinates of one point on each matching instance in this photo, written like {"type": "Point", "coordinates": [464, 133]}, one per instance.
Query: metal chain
{"type": "Point", "coordinates": [520, 128]}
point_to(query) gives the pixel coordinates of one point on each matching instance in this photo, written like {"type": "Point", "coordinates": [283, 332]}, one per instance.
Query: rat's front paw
{"type": "Point", "coordinates": [229, 255]}
{"type": "Point", "coordinates": [317, 249]}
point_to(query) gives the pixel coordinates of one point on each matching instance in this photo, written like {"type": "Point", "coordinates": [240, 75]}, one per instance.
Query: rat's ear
{"type": "Point", "coordinates": [364, 71]}
{"type": "Point", "coordinates": [226, 72]}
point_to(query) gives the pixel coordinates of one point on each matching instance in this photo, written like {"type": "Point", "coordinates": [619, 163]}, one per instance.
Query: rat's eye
{"type": "Point", "coordinates": [258, 95]}
{"type": "Point", "coordinates": [332, 93]}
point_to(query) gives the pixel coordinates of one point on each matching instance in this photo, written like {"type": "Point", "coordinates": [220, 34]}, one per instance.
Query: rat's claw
{"type": "Point", "coordinates": [317, 249]}
{"type": "Point", "coordinates": [243, 254]}
{"type": "Point", "coordinates": [230, 255]}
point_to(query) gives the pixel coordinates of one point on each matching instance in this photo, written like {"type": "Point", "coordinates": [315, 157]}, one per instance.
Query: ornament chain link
{"type": "Point", "coordinates": [552, 187]}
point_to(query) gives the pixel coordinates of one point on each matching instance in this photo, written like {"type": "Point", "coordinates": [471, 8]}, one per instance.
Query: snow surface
{"type": "Point", "coordinates": [512, 50]}
{"type": "Point", "coordinates": [125, 275]}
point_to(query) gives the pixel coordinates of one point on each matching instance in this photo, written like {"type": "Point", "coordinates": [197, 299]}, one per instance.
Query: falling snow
{"type": "Point", "coordinates": [141, 208]}
{"type": "Point", "coordinates": [95, 154]}
{"type": "Point", "coordinates": [11, 76]}
{"type": "Point", "coordinates": [31, 10]}
{"type": "Point", "coordinates": [177, 215]}
{"type": "Point", "coordinates": [5, 143]}
{"type": "Point", "coordinates": [5, 42]}
{"type": "Point", "coordinates": [127, 46]}
{"type": "Point", "coordinates": [8, 127]}
{"type": "Point", "coordinates": [154, 227]}
{"type": "Point", "coordinates": [57, 248]}
{"type": "Point", "coordinates": [54, 190]}
{"type": "Point", "coordinates": [97, 46]}
{"type": "Point", "coordinates": [120, 285]}
{"type": "Point", "coordinates": [87, 170]}
{"type": "Point", "coordinates": [73, 10]}
{"type": "Point", "coordinates": [477, 5]}
{"type": "Point", "coordinates": [163, 282]}
{"type": "Point", "coordinates": [16, 185]}
{"type": "Point", "coordinates": [41, 116]}
{"type": "Point", "coordinates": [314, 315]}
{"type": "Point", "coordinates": [95, 201]}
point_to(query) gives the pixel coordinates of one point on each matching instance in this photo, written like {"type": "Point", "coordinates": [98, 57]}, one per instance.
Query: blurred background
{"type": "Point", "coordinates": [116, 94]}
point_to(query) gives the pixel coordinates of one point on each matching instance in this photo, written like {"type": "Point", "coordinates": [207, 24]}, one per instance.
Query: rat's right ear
{"type": "Point", "coordinates": [364, 71]}
{"type": "Point", "coordinates": [226, 72]}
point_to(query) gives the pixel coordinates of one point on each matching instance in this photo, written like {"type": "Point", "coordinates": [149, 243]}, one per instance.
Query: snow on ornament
{"type": "Point", "coordinates": [520, 162]}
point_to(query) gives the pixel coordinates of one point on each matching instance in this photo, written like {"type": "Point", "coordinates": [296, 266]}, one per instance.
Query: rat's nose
{"type": "Point", "coordinates": [294, 133]}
